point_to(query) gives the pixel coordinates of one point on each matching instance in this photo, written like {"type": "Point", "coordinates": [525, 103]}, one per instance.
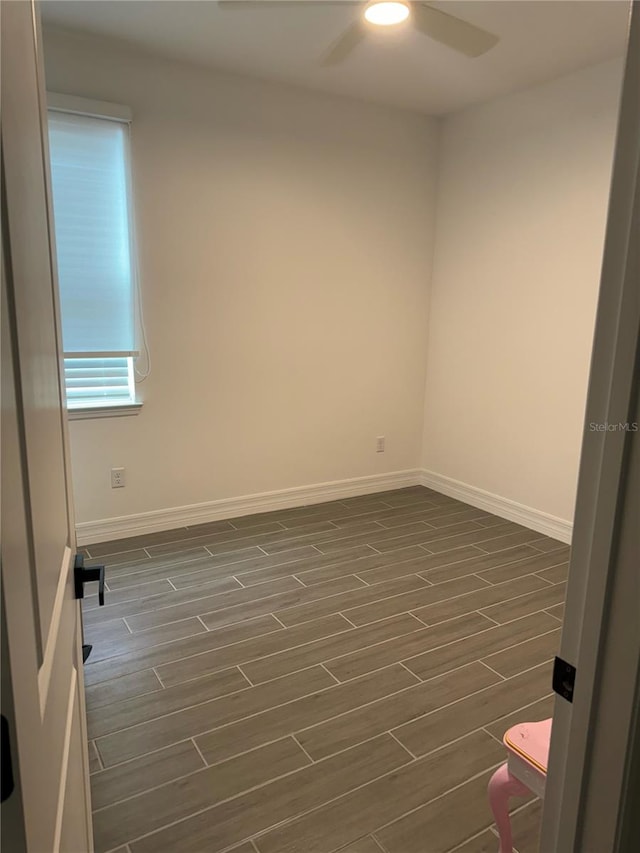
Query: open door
{"type": "Point", "coordinates": [591, 800]}
{"type": "Point", "coordinates": [47, 808]}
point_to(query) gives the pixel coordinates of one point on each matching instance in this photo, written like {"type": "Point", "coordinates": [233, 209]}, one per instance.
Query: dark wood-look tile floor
{"type": "Point", "coordinates": [330, 678]}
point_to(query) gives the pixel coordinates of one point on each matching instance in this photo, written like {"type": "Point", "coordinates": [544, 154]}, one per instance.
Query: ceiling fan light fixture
{"type": "Point", "coordinates": [385, 13]}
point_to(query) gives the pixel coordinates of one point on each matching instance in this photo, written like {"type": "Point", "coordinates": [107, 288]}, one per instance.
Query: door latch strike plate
{"type": "Point", "coordinates": [564, 679]}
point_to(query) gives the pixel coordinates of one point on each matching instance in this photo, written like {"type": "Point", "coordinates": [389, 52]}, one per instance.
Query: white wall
{"type": "Point", "coordinates": [285, 243]}
{"type": "Point", "coordinates": [521, 213]}
{"type": "Point", "coordinates": [286, 253]}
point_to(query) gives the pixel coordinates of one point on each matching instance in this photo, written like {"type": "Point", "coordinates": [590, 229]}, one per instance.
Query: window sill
{"type": "Point", "coordinates": [112, 410]}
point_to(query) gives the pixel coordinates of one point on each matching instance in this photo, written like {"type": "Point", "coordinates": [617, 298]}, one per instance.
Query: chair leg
{"type": "Point", "coordinates": [502, 786]}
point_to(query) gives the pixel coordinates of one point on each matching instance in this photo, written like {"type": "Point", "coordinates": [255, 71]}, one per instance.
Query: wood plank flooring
{"type": "Point", "coordinates": [336, 677]}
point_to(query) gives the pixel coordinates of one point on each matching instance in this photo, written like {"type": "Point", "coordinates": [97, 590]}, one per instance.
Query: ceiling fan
{"type": "Point", "coordinates": [453, 32]}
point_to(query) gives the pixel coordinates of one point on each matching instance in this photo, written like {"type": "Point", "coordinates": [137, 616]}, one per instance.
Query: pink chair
{"type": "Point", "coordinates": [524, 771]}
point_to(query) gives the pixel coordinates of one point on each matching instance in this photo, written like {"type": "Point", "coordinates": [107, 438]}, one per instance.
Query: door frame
{"type": "Point", "coordinates": [592, 744]}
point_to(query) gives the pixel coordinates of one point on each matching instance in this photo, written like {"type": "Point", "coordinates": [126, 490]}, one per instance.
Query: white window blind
{"type": "Point", "coordinates": [98, 381]}
{"type": "Point", "coordinates": [90, 178]}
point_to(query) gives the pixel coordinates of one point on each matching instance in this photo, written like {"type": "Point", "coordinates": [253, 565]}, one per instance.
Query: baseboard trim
{"type": "Point", "coordinates": [535, 519]}
{"type": "Point", "coordinates": [122, 527]}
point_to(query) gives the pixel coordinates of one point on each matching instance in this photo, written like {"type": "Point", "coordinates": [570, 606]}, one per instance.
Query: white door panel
{"type": "Point", "coordinates": [34, 310]}
{"type": "Point", "coordinates": [43, 623]}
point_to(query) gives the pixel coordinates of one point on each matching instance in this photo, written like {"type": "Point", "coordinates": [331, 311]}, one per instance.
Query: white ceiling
{"type": "Point", "coordinates": [284, 41]}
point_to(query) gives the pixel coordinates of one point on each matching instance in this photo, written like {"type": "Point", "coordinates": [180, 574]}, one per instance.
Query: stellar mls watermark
{"type": "Point", "coordinates": [621, 426]}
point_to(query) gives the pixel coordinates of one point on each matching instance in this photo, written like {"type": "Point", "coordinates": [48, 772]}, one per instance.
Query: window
{"type": "Point", "coordinates": [95, 253]}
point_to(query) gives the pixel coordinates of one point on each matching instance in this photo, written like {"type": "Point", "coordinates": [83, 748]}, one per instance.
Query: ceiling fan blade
{"type": "Point", "coordinates": [341, 48]}
{"type": "Point", "coordinates": [234, 5]}
{"type": "Point", "coordinates": [251, 4]}
{"type": "Point", "coordinates": [454, 32]}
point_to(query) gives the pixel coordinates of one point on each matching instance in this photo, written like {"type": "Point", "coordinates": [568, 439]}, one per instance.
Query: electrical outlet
{"type": "Point", "coordinates": [380, 444]}
{"type": "Point", "coordinates": [117, 478]}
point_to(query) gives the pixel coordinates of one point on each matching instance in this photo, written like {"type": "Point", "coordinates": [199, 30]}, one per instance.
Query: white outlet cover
{"type": "Point", "coordinates": [117, 478]}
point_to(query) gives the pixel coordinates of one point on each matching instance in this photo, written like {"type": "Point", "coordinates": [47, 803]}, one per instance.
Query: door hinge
{"type": "Point", "coordinates": [564, 679]}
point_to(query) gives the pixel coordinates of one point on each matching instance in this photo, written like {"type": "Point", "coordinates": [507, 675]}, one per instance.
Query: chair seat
{"type": "Point", "coordinates": [531, 742]}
